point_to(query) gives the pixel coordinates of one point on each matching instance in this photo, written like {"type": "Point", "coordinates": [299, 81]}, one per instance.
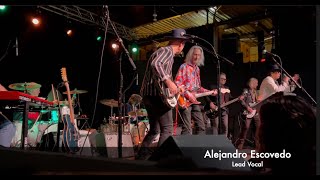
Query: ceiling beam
{"type": "Point", "coordinates": [86, 17]}
{"type": "Point", "coordinates": [242, 20]}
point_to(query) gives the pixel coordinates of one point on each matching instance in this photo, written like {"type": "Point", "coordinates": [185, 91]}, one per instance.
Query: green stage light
{"type": "Point", "coordinates": [3, 7]}
{"type": "Point", "coordinates": [99, 38]}
{"type": "Point", "coordinates": [134, 49]}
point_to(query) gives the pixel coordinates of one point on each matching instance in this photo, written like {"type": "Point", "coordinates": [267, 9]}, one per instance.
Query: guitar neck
{"type": "Point", "coordinates": [229, 102]}
{"type": "Point", "coordinates": [203, 94]}
{"type": "Point", "coordinates": [70, 102]}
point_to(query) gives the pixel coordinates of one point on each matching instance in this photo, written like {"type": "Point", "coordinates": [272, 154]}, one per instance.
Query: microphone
{"type": "Point", "coordinates": [188, 35]}
{"type": "Point", "coordinates": [17, 50]}
{"type": "Point", "coordinates": [266, 52]}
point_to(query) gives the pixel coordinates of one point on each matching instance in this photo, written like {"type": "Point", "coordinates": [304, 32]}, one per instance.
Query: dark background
{"type": "Point", "coordinates": [45, 49]}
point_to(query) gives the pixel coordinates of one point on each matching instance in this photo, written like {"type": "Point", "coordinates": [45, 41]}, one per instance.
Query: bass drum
{"type": "Point", "coordinates": [34, 136]}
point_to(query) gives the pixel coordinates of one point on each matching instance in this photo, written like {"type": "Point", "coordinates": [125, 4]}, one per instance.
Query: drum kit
{"type": "Point", "coordinates": [47, 121]}
{"type": "Point", "coordinates": [135, 122]}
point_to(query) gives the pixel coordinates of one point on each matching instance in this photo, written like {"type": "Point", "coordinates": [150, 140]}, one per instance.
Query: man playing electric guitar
{"type": "Point", "coordinates": [250, 97]}
{"type": "Point", "coordinates": [189, 77]}
{"type": "Point", "coordinates": [158, 74]}
{"type": "Point", "coordinates": [211, 104]}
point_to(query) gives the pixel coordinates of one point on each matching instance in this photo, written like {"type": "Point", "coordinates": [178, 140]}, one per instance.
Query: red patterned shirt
{"type": "Point", "coordinates": [189, 76]}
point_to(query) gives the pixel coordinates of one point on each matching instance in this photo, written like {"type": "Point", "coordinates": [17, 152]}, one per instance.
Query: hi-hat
{"type": "Point", "coordinates": [109, 102]}
{"type": "Point", "coordinates": [24, 86]}
{"type": "Point", "coordinates": [76, 91]}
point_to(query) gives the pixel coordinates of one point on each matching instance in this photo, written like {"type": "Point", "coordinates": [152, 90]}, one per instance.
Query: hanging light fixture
{"type": "Point", "coordinates": [154, 14]}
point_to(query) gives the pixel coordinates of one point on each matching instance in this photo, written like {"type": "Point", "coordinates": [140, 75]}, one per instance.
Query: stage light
{"type": "Point", "coordinates": [134, 49]}
{"type": "Point", "coordinates": [69, 32]}
{"type": "Point", "coordinates": [3, 7]}
{"type": "Point", "coordinates": [263, 60]}
{"type": "Point", "coordinates": [35, 21]}
{"type": "Point", "coordinates": [99, 38]}
{"type": "Point", "coordinates": [114, 46]}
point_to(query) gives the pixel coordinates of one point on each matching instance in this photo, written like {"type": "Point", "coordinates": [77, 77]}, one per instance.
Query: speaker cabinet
{"type": "Point", "coordinates": [106, 144]}
{"type": "Point", "coordinates": [200, 152]}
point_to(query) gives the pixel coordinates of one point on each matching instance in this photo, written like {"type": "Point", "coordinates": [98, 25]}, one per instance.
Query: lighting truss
{"type": "Point", "coordinates": [86, 17]}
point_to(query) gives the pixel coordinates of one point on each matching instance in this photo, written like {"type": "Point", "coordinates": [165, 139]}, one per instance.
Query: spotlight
{"type": "Point", "coordinates": [35, 21]}
{"type": "Point", "coordinates": [3, 7]}
{"type": "Point", "coordinates": [134, 49]}
{"type": "Point", "coordinates": [99, 38]}
{"type": "Point", "coordinates": [114, 46]}
{"type": "Point", "coordinates": [69, 32]}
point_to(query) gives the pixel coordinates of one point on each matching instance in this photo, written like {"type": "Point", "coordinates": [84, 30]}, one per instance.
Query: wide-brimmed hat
{"type": "Point", "coordinates": [178, 34]}
{"type": "Point", "coordinates": [275, 68]}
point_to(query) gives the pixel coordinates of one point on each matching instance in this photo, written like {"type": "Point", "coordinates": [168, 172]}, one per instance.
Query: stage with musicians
{"type": "Point", "coordinates": [93, 93]}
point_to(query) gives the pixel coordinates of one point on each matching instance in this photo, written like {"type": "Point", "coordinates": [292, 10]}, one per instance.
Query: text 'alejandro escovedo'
{"type": "Point", "coordinates": [211, 154]}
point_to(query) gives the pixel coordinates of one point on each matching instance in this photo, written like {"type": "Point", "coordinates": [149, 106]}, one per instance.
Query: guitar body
{"type": "Point", "coordinates": [70, 133]}
{"type": "Point", "coordinates": [183, 102]}
{"type": "Point", "coordinates": [213, 113]}
{"type": "Point", "coordinates": [168, 99]}
{"type": "Point", "coordinates": [250, 115]}
{"type": "Point", "coordinates": [253, 113]}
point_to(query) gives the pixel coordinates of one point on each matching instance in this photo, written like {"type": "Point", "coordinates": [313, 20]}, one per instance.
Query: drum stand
{"type": "Point", "coordinates": [137, 125]}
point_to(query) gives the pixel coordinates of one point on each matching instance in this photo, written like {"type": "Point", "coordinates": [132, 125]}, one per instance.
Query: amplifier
{"type": "Point", "coordinates": [106, 144]}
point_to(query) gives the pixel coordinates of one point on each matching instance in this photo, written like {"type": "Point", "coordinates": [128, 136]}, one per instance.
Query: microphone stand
{"type": "Point", "coordinates": [121, 94]}
{"type": "Point", "coordinates": [217, 56]}
{"type": "Point", "coordinates": [298, 85]}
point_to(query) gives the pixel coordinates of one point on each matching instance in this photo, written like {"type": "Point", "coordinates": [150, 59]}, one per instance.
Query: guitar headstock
{"type": "Point", "coordinates": [224, 90]}
{"type": "Point", "coordinates": [64, 74]}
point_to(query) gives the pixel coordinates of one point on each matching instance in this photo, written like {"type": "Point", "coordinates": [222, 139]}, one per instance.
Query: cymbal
{"type": "Point", "coordinates": [24, 86]}
{"type": "Point", "coordinates": [139, 112]}
{"type": "Point", "coordinates": [109, 102]}
{"type": "Point", "coordinates": [76, 91]}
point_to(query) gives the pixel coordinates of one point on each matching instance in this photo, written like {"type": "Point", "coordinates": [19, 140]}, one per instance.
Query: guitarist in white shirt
{"type": "Point", "coordinates": [250, 96]}
{"type": "Point", "coordinates": [188, 76]}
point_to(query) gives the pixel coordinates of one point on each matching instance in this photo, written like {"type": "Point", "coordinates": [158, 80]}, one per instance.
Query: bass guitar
{"type": "Point", "coordinates": [212, 113]}
{"type": "Point", "coordinates": [70, 131]}
{"type": "Point", "coordinates": [186, 102]}
{"type": "Point", "coordinates": [253, 113]}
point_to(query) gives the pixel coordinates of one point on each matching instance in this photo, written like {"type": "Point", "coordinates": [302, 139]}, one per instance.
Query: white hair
{"type": "Point", "coordinates": [190, 54]}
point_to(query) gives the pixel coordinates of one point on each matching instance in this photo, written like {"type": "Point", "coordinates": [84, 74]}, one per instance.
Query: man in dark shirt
{"type": "Point", "coordinates": [212, 104]}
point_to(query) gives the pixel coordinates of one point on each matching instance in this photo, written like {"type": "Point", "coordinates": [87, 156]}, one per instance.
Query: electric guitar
{"type": "Point", "coordinates": [186, 102]}
{"type": "Point", "coordinates": [253, 113]}
{"type": "Point", "coordinates": [70, 131]}
{"type": "Point", "coordinates": [170, 100]}
{"type": "Point", "coordinates": [213, 112]}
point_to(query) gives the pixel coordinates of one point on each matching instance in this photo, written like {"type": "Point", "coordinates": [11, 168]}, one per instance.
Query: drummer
{"type": "Point", "coordinates": [134, 105]}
